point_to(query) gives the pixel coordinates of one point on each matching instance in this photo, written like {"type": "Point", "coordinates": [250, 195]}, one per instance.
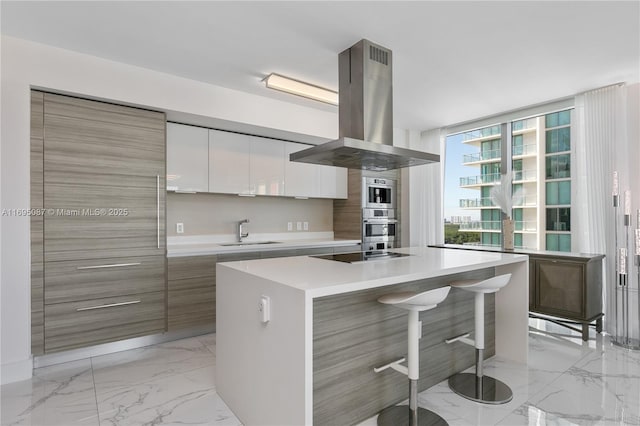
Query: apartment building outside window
{"type": "Point", "coordinates": [538, 154]}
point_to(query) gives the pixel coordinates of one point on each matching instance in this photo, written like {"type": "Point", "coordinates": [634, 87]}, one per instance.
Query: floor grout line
{"type": "Point", "coordinates": [95, 390]}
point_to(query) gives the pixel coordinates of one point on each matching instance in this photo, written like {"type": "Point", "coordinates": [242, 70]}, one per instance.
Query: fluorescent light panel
{"type": "Point", "coordinates": [300, 88]}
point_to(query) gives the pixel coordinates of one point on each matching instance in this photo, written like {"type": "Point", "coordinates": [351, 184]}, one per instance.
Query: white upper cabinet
{"type": "Point", "coordinates": [332, 182]}
{"type": "Point", "coordinates": [187, 162]}
{"type": "Point", "coordinates": [311, 180]}
{"type": "Point", "coordinates": [266, 166]}
{"type": "Point", "coordinates": [299, 177]}
{"type": "Point", "coordinates": [229, 162]}
{"type": "Point", "coordinates": [206, 160]}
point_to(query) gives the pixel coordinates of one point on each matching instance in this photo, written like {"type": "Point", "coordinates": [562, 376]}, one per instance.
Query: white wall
{"type": "Point", "coordinates": [25, 65]}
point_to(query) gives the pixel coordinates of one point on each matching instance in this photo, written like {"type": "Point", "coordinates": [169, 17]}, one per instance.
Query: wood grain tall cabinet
{"type": "Point", "coordinates": [99, 249]}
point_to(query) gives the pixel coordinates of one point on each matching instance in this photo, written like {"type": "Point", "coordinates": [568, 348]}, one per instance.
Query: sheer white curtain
{"type": "Point", "coordinates": [601, 147]}
{"type": "Point", "coordinates": [425, 189]}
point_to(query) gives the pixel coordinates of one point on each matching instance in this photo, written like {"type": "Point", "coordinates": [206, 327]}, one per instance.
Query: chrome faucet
{"type": "Point", "coordinates": [241, 234]}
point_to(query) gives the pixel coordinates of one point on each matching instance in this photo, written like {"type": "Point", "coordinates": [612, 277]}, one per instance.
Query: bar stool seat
{"type": "Point", "coordinates": [478, 387]}
{"type": "Point", "coordinates": [414, 303]}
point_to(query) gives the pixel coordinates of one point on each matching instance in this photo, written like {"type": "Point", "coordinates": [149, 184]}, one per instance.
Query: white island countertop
{"type": "Point", "coordinates": [274, 315]}
{"type": "Point", "coordinates": [321, 277]}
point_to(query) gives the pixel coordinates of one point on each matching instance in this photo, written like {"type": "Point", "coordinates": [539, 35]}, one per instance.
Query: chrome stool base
{"type": "Point", "coordinates": [399, 416]}
{"type": "Point", "coordinates": [483, 389]}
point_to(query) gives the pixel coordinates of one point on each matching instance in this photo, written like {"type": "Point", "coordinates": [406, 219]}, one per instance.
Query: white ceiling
{"type": "Point", "coordinates": [453, 61]}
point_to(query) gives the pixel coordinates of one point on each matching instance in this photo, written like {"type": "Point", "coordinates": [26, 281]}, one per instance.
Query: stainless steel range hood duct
{"type": "Point", "coordinates": [365, 116]}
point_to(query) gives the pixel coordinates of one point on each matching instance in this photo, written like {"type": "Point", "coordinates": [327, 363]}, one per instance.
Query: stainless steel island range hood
{"type": "Point", "coordinates": [365, 117]}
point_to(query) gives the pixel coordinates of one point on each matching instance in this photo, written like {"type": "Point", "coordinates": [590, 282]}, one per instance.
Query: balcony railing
{"type": "Point", "coordinates": [481, 225]}
{"type": "Point", "coordinates": [525, 175]}
{"type": "Point", "coordinates": [480, 156]}
{"type": "Point", "coordinates": [526, 225]}
{"type": "Point", "coordinates": [476, 202]}
{"type": "Point", "coordinates": [478, 180]}
{"type": "Point", "coordinates": [527, 149]}
{"type": "Point", "coordinates": [496, 225]}
{"type": "Point", "coordinates": [482, 133]}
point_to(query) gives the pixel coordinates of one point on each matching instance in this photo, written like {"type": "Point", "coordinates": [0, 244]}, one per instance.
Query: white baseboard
{"type": "Point", "coordinates": [16, 371]}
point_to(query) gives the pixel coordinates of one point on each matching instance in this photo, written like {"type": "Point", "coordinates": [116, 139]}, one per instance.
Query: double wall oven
{"type": "Point", "coordinates": [379, 223]}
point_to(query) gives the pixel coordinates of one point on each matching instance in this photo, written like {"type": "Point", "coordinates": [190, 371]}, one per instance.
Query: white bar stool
{"type": "Point", "coordinates": [478, 387]}
{"type": "Point", "coordinates": [415, 303]}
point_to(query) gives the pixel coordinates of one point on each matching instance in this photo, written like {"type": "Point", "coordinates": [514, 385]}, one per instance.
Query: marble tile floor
{"type": "Point", "coordinates": [567, 382]}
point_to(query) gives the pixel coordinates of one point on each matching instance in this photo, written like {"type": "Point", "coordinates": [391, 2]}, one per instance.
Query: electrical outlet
{"type": "Point", "coordinates": [180, 228]}
{"type": "Point", "coordinates": [298, 226]}
{"type": "Point", "coordinates": [264, 306]}
{"type": "Point", "coordinates": [305, 226]}
{"type": "Point", "coordinates": [289, 226]}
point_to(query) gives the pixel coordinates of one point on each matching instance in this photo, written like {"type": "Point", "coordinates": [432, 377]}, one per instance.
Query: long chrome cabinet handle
{"type": "Point", "coordinates": [158, 207]}
{"type": "Point", "coordinates": [110, 305]}
{"type": "Point", "coordinates": [113, 265]}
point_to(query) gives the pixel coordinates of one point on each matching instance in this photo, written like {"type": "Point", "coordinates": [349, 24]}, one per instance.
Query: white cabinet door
{"type": "Point", "coordinates": [266, 166]}
{"type": "Point", "coordinates": [229, 155]}
{"type": "Point", "coordinates": [332, 182]}
{"type": "Point", "coordinates": [299, 177]}
{"type": "Point", "coordinates": [187, 163]}
{"type": "Point", "coordinates": [311, 180]}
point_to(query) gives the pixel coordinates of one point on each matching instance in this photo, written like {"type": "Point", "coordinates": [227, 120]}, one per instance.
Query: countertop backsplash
{"type": "Point", "coordinates": [211, 214]}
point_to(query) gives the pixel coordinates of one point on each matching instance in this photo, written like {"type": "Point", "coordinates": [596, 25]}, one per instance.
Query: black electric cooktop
{"type": "Point", "coordinates": [362, 256]}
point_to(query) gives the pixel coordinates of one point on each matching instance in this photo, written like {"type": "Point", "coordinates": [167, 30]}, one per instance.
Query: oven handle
{"type": "Point", "coordinates": [380, 221]}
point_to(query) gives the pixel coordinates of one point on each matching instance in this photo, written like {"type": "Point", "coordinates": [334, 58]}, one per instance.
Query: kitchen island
{"type": "Point", "coordinates": [312, 361]}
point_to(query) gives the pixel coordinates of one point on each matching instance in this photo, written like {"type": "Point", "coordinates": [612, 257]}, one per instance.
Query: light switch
{"type": "Point", "coordinates": [264, 306]}
{"type": "Point", "coordinates": [298, 226]}
{"type": "Point", "coordinates": [180, 228]}
{"type": "Point", "coordinates": [289, 226]}
{"type": "Point", "coordinates": [305, 226]}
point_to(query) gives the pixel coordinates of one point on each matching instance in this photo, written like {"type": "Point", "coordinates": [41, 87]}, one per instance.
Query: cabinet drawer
{"type": "Point", "coordinates": [192, 302]}
{"type": "Point", "coordinates": [70, 281]}
{"type": "Point", "coordinates": [90, 322]}
{"type": "Point", "coordinates": [180, 268]}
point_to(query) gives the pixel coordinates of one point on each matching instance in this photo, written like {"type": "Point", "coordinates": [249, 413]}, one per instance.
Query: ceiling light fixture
{"type": "Point", "coordinates": [300, 88]}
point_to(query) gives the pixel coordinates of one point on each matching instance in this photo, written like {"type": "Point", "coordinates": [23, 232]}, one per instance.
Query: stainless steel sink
{"type": "Point", "coordinates": [249, 243]}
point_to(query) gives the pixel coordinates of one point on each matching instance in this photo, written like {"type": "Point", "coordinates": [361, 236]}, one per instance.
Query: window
{"type": "Point", "coordinates": [559, 219]}
{"type": "Point", "coordinates": [490, 172]}
{"type": "Point", "coordinates": [558, 166]}
{"type": "Point", "coordinates": [517, 125]}
{"type": "Point", "coordinates": [539, 155]}
{"type": "Point", "coordinates": [517, 146]}
{"type": "Point", "coordinates": [558, 242]}
{"type": "Point", "coordinates": [491, 219]}
{"type": "Point", "coordinates": [559, 192]}
{"type": "Point", "coordinates": [517, 240]}
{"type": "Point", "coordinates": [558, 184]}
{"type": "Point", "coordinates": [518, 215]}
{"type": "Point", "coordinates": [562, 118]}
{"type": "Point", "coordinates": [490, 239]}
{"type": "Point", "coordinates": [490, 149]}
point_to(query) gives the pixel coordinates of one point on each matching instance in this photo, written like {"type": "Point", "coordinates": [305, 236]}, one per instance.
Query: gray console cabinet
{"type": "Point", "coordinates": [567, 287]}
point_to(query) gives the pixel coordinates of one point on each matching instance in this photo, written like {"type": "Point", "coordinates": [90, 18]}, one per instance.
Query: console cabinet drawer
{"type": "Point", "coordinates": [76, 280]}
{"type": "Point", "coordinates": [90, 322]}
